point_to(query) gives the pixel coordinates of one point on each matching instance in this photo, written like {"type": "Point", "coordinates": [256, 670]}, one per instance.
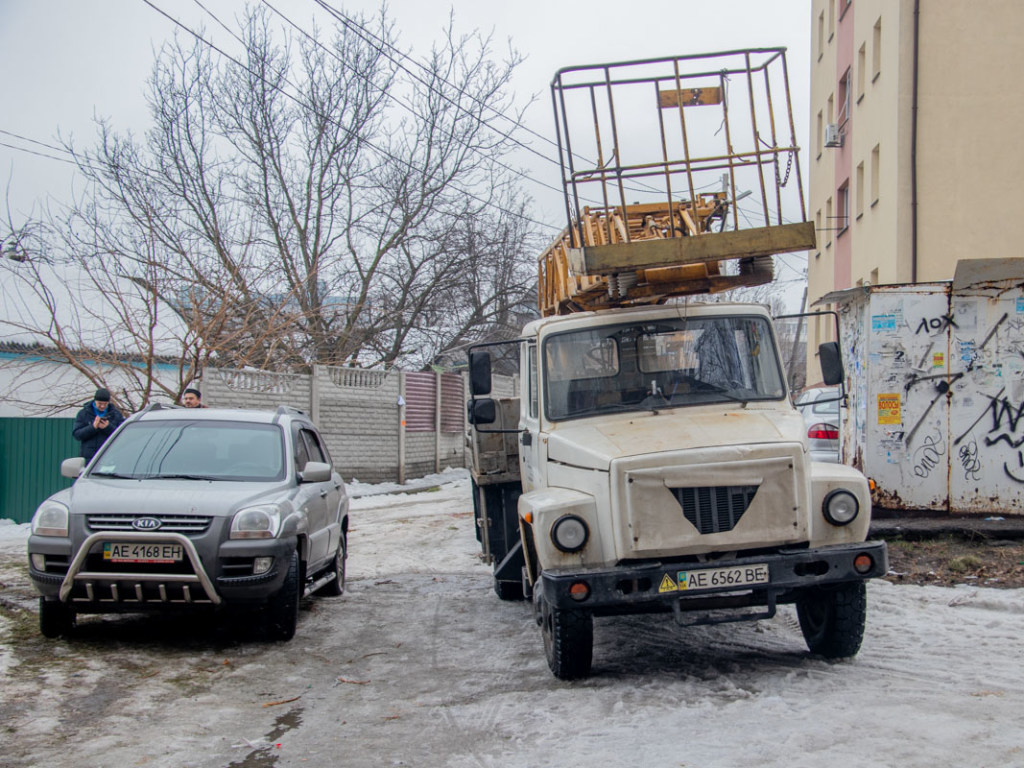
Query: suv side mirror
{"type": "Point", "coordinates": [72, 467]}
{"type": "Point", "coordinates": [315, 472]}
{"type": "Point", "coordinates": [831, 363]}
{"type": "Point", "coordinates": [479, 373]}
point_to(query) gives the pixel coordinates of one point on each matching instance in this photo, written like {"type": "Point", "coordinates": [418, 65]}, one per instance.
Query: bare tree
{"type": "Point", "coordinates": [309, 201]}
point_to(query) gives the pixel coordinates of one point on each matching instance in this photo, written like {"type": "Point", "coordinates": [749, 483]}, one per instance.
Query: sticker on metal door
{"type": "Point", "coordinates": [716, 578]}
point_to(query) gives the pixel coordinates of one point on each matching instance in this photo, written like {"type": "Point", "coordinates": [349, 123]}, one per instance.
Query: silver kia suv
{"type": "Point", "coordinates": [194, 509]}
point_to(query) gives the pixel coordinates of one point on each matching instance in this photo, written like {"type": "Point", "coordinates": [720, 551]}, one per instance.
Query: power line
{"type": "Point", "coordinates": [380, 43]}
{"type": "Point", "coordinates": [295, 99]}
{"type": "Point", "coordinates": [408, 108]}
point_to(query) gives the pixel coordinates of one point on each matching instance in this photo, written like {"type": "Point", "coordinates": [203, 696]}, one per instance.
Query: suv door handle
{"type": "Point", "coordinates": [324, 492]}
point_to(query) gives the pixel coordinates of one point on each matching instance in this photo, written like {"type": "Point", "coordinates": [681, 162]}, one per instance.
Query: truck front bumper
{"type": "Point", "coordinates": [764, 579]}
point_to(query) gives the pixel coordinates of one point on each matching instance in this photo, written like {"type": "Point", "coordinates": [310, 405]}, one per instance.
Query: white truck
{"type": "Point", "coordinates": [653, 460]}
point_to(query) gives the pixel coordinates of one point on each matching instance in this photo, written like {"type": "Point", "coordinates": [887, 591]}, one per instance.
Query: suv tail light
{"type": "Point", "coordinates": [823, 432]}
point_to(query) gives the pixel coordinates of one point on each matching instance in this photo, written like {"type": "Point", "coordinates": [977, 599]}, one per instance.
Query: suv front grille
{"type": "Point", "coordinates": [714, 509]}
{"type": "Point", "coordinates": [189, 525]}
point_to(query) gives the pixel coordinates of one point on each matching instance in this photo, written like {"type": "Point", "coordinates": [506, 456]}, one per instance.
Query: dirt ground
{"type": "Point", "coordinates": [952, 558]}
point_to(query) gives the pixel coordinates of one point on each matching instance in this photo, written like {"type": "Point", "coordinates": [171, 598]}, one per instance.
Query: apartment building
{"type": "Point", "coordinates": [916, 153]}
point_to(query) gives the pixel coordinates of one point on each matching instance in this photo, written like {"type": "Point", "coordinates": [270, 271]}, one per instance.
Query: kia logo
{"type": "Point", "coordinates": [146, 524]}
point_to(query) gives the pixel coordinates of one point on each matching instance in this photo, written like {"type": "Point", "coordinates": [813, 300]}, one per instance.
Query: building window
{"type": "Point", "coordinates": [843, 207]}
{"type": "Point", "coordinates": [876, 50]}
{"type": "Point", "coordinates": [874, 276]}
{"type": "Point", "coordinates": [831, 108]}
{"type": "Point", "coordinates": [844, 6]}
{"type": "Point", "coordinates": [860, 190]}
{"type": "Point", "coordinates": [818, 136]}
{"type": "Point", "coordinates": [818, 233]}
{"type": "Point", "coordinates": [845, 90]}
{"type": "Point", "coordinates": [821, 35]}
{"type": "Point", "coordinates": [862, 58]}
{"type": "Point", "coordinates": [830, 219]}
{"type": "Point", "coordinates": [875, 170]}
{"type": "Point", "coordinates": [831, 19]}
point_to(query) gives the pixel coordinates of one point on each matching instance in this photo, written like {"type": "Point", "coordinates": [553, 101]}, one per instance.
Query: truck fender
{"type": "Point", "coordinates": [825, 478]}
{"type": "Point", "coordinates": [540, 510]}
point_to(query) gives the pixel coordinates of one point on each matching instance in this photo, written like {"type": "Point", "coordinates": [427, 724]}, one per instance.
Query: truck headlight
{"type": "Point", "coordinates": [570, 533]}
{"type": "Point", "coordinates": [840, 507]}
{"type": "Point", "coordinates": [51, 519]}
{"type": "Point", "coordinates": [262, 522]}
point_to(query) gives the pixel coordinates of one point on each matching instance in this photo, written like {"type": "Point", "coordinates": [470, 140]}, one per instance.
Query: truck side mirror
{"type": "Point", "coordinates": [481, 411]}
{"type": "Point", "coordinates": [480, 374]}
{"type": "Point", "coordinates": [831, 363]}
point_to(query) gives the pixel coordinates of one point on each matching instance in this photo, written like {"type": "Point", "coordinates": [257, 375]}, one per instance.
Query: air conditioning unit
{"type": "Point", "coordinates": [833, 138]}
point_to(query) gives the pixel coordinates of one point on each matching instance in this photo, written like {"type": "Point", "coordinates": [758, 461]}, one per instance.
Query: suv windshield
{"type": "Point", "coordinates": [666, 363]}
{"type": "Point", "coordinates": [202, 450]}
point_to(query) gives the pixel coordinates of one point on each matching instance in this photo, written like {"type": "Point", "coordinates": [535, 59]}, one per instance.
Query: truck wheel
{"type": "Point", "coordinates": [832, 619]}
{"type": "Point", "coordinates": [509, 590]}
{"type": "Point", "coordinates": [336, 586]}
{"type": "Point", "coordinates": [55, 618]}
{"type": "Point", "coordinates": [568, 640]}
{"type": "Point", "coordinates": [282, 612]}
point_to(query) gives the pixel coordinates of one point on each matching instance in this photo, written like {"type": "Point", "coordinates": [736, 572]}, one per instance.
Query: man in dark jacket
{"type": "Point", "coordinates": [96, 422]}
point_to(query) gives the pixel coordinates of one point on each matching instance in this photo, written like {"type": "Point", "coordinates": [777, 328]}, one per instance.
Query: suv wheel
{"type": "Point", "coordinates": [283, 610]}
{"type": "Point", "coordinates": [55, 618]}
{"type": "Point", "coordinates": [336, 586]}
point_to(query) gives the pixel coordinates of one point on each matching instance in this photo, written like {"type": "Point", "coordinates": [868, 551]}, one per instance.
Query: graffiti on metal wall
{"type": "Point", "coordinates": [935, 325]}
{"type": "Point", "coordinates": [929, 455]}
{"type": "Point", "coordinates": [939, 375]}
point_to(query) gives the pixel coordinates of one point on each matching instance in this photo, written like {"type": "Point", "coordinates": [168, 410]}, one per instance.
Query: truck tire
{"type": "Point", "coordinates": [832, 619]}
{"type": "Point", "coordinates": [568, 639]}
{"type": "Point", "coordinates": [336, 586]}
{"type": "Point", "coordinates": [55, 618]}
{"type": "Point", "coordinates": [282, 612]}
{"type": "Point", "coordinates": [509, 590]}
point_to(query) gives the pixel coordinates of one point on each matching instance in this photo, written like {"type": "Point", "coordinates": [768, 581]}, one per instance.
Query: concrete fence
{"type": "Point", "coordinates": [379, 427]}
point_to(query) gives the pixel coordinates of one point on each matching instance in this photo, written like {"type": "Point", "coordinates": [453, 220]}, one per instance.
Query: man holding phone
{"type": "Point", "coordinates": [96, 422]}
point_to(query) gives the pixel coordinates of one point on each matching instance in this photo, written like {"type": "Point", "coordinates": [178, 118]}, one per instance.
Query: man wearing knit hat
{"type": "Point", "coordinates": [96, 422]}
{"type": "Point", "coordinates": [192, 398]}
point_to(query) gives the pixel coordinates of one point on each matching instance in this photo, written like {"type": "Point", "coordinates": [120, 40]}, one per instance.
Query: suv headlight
{"type": "Point", "coordinates": [262, 522]}
{"type": "Point", "coordinates": [51, 519]}
{"type": "Point", "coordinates": [840, 507]}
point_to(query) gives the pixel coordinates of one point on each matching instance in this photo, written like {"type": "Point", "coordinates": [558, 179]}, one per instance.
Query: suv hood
{"type": "Point", "coordinates": [597, 442]}
{"type": "Point", "coordinates": [154, 497]}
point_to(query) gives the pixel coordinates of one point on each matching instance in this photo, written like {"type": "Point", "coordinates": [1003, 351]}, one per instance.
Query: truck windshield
{"type": "Point", "coordinates": [660, 364]}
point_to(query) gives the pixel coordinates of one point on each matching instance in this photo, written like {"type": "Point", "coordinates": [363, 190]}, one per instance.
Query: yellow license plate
{"type": "Point", "coordinates": [716, 578]}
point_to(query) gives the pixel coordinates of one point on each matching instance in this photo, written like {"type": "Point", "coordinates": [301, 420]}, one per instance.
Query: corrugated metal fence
{"type": "Point", "coordinates": [31, 451]}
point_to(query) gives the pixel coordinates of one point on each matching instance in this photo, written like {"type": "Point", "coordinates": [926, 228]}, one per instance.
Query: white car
{"type": "Point", "coordinates": [820, 409]}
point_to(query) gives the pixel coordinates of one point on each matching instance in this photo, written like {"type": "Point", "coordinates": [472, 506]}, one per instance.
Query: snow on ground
{"type": "Point", "coordinates": [420, 664]}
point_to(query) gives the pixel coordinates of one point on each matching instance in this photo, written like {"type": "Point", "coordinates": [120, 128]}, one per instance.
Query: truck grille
{"type": "Point", "coordinates": [190, 525]}
{"type": "Point", "coordinates": [714, 509]}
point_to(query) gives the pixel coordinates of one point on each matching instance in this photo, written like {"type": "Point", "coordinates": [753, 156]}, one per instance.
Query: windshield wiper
{"type": "Point", "coordinates": [112, 475]}
{"type": "Point", "coordinates": [180, 477]}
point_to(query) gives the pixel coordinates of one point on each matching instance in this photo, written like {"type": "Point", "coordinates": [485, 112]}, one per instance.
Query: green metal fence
{"type": "Point", "coordinates": [31, 451]}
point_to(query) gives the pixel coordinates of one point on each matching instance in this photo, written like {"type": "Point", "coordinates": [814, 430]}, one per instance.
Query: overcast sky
{"type": "Point", "coordinates": [64, 61]}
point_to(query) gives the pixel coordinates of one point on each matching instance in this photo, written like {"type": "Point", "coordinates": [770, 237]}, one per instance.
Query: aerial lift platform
{"type": "Point", "coordinates": [652, 200]}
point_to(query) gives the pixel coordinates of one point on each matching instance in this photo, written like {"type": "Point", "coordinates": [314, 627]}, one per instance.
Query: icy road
{"type": "Point", "coordinates": [419, 664]}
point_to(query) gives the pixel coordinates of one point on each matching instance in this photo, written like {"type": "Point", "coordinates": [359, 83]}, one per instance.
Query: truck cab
{"type": "Point", "coordinates": [662, 466]}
